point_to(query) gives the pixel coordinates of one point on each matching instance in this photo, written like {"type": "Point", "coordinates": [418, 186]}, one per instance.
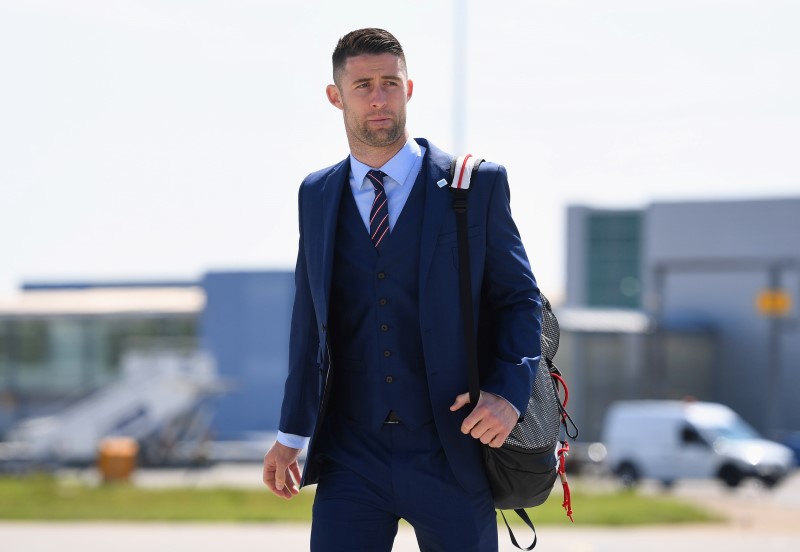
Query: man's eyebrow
{"type": "Point", "coordinates": [386, 77]}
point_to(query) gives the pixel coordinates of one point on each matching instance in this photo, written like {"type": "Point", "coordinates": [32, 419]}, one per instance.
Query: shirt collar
{"type": "Point", "coordinates": [397, 168]}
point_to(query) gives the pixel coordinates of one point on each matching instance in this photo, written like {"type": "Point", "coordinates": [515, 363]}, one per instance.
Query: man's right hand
{"type": "Point", "coordinates": [281, 472]}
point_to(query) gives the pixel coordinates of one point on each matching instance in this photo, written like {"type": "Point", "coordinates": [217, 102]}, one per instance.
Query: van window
{"type": "Point", "coordinates": [736, 430]}
{"type": "Point", "coordinates": [689, 435]}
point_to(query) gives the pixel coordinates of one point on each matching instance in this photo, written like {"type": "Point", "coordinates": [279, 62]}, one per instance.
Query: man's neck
{"type": "Point", "coordinates": [375, 157]}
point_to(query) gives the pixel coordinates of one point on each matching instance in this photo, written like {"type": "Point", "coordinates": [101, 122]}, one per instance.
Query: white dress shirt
{"type": "Point", "coordinates": [401, 173]}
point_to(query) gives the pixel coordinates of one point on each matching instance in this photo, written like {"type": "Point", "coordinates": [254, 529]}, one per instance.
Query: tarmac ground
{"type": "Point", "coordinates": [137, 537]}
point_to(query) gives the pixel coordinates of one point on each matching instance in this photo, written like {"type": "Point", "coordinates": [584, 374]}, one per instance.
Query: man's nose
{"type": "Point", "coordinates": [378, 97]}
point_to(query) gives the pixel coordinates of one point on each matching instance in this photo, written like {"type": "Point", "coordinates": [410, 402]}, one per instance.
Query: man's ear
{"type": "Point", "coordinates": [332, 91]}
{"type": "Point", "coordinates": [410, 86]}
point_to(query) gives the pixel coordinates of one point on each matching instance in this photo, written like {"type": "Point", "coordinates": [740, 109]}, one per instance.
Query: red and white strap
{"type": "Point", "coordinates": [463, 172]}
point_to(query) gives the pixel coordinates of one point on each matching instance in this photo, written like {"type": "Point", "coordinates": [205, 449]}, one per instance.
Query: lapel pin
{"type": "Point", "coordinates": [442, 183]}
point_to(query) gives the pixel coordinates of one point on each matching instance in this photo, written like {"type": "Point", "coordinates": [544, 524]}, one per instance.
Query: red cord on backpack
{"type": "Point", "coordinates": [563, 452]}
{"type": "Point", "coordinates": [562, 473]}
{"type": "Point", "coordinates": [560, 380]}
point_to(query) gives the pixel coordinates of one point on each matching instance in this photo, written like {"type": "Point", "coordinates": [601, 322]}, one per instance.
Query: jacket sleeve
{"type": "Point", "coordinates": [301, 393]}
{"type": "Point", "coordinates": [512, 295]}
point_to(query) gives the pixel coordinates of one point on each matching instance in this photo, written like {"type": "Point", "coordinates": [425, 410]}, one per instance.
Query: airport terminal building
{"type": "Point", "coordinates": [63, 345]}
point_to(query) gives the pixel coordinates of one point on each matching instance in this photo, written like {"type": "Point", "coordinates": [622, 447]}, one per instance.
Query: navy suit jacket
{"type": "Point", "coordinates": [504, 292]}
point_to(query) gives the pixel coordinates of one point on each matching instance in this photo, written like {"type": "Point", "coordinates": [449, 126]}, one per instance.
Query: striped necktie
{"type": "Point", "coordinates": [379, 213]}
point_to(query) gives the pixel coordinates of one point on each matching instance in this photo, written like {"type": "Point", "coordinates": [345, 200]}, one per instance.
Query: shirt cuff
{"type": "Point", "coordinates": [505, 399]}
{"type": "Point", "coordinates": [292, 441]}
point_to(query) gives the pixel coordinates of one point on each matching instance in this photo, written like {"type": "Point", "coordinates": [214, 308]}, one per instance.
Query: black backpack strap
{"type": "Point", "coordinates": [462, 172]}
{"type": "Point", "coordinates": [524, 516]}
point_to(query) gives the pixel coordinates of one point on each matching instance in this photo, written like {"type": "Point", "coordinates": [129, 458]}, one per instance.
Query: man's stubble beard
{"type": "Point", "coordinates": [379, 138]}
{"type": "Point", "coordinates": [382, 137]}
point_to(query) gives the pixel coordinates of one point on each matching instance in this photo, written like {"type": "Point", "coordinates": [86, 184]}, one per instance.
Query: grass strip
{"type": "Point", "coordinates": [46, 498]}
{"type": "Point", "coordinates": [616, 508]}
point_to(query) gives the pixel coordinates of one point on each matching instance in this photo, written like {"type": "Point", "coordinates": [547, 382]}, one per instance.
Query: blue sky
{"type": "Point", "coordinates": [161, 139]}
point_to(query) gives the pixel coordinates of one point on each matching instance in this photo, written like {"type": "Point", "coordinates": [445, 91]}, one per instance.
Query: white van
{"type": "Point", "coordinates": [669, 440]}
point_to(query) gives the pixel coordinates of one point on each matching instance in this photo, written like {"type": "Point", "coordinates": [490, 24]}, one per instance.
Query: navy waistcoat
{"type": "Point", "coordinates": [376, 349]}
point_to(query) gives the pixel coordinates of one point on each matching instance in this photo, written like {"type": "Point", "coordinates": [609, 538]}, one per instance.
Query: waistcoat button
{"type": "Point", "coordinates": [381, 275]}
{"type": "Point", "coordinates": [382, 301]}
{"type": "Point", "coordinates": [384, 327]}
{"type": "Point", "coordinates": [387, 353]}
{"type": "Point", "coordinates": [389, 379]}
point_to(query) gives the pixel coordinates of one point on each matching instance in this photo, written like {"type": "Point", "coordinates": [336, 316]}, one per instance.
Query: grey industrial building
{"type": "Point", "coordinates": [708, 289]}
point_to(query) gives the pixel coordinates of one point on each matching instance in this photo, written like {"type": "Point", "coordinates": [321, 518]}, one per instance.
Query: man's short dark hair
{"type": "Point", "coordinates": [365, 41]}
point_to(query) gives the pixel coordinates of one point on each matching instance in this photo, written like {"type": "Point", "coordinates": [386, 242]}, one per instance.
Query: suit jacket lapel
{"type": "Point", "coordinates": [437, 200]}
{"type": "Point", "coordinates": [331, 195]}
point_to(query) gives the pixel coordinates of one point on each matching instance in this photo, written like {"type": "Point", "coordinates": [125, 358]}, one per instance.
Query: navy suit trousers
{"type": "Point", "coordinates": [369, 480]}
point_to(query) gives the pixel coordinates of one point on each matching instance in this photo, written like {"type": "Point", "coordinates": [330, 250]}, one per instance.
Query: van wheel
{"type": "Point", "coordinates": [770, 481]}
{"type": "Point", "coordinates": [628, 475]}
{"type": "Point", "coordinates": [730, 475]}
{"type": "Point", "coordinates": [667, 484]}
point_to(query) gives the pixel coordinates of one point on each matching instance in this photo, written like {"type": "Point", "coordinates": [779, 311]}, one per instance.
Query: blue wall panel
{"type": "Point", "coordinates": [245, 326]}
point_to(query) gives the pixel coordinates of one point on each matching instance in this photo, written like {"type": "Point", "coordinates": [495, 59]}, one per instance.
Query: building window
{"type": "Point", "coordinates": [4, 363]}
{"type": "Point", "coordinates": [124, 335]}
{"type": "Point", "coordinates": [614, 255]}
{"type": "Point", "coordinates": [31, 341]}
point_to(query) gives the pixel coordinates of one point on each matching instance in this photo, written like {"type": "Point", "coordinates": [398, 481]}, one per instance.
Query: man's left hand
{"type": "Point", "coordinates": [491, 420]}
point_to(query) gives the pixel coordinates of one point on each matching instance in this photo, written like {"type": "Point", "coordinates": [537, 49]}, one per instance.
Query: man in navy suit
{"type": "Point", "coordinates": [377, 385]}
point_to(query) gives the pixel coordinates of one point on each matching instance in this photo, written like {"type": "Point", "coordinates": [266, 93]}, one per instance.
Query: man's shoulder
{"type": "Point", "coordinates": [317, 178]}
{"type": "Point", "coordinates": [489, 175]}
{"type": "Point", "coordinates": [486, 167]}
{"type": "Point", "coordinates": [490, 180]}
{"type": "Point", "coordinates": [490, 167]}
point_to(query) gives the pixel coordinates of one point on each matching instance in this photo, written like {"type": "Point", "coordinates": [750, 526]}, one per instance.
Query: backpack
{"type": "Point", "coordinates": [523, 470]}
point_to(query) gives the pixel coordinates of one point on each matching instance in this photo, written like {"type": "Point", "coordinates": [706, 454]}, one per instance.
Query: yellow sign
{"type": "Point", "coordinates": [773, 302]}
